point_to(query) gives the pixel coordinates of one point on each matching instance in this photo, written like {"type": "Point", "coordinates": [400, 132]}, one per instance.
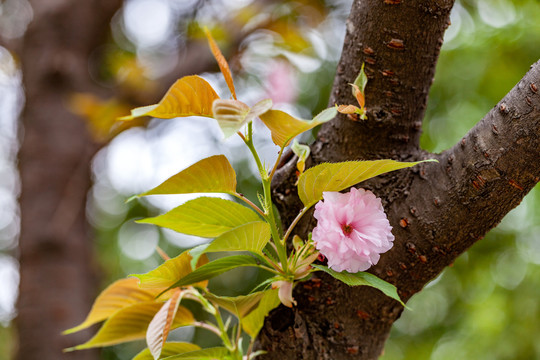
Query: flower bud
{"type": "Point", "coordinates": [285, 292]}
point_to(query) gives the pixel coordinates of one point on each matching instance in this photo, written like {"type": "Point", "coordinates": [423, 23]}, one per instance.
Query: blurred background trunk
{"type": "Point", "coordinates": [54, 161]}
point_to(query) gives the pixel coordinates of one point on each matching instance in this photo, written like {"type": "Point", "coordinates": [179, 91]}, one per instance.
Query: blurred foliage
{"type": "Point", "coordinates": [7, 342]}
{"type": "Point", "coordinates": [478, 65]}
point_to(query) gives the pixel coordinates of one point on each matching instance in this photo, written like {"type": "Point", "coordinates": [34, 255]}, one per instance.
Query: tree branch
{"type": "Point", "coordinates": [476, 183]}
{"type": "Point", "coordinates": [437, 210]}
{"type": "Point", "coordinates": [400, 58]}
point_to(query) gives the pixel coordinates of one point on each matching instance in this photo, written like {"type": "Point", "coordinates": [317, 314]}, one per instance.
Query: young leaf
{"type": "Point", "coordinates": [348, 109]}
{"type": "Point", "coordinates": [360, 83]}
{"type": "Point", "coordinates": [339, 176]}
{"type": "Point", "coordinates": [258, 109]}
{"type": "Point", "coordinates": [165, 275]}
{"type": "Point", "coordinates": [189, 96]}
{"type": "Point", "coordinates": [284, 127]}
{"type": "Point", "coordinates": [362, 278]}
{"type": "Point", "coordinates": [169, 349]}
{"type": "Point", "coordinates": [131, 323]}
{"type": "Point", "coordinates": [216, 353]}
{"type": "Point", "coordinates": [159, 327]}
{"type": "Point", "coordinates": [253, 322]}
{"type": "Point", "coordinates": [223, 65]}
{"type": "Point", "coordinates": [216, 267]}
{"type": "Point", "coordinates": [120, 294]}
{"type": "Point", "coordinates": [211, 175]}
{"type": "Point", "coordinates": [240, 306]}
{"type": "Point", "coordinates": [248, 237]}
{"type": "Point", "coordinates": [359, 96]}
{"type": "Point", "coordinates": [231, 115]}
{"type": "Point", "coordinates": [302, 151]}
{"type": "Point", "coordinates": [205, 216]}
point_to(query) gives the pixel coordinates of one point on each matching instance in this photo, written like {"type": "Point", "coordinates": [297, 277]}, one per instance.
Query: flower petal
{"type": "Point", "coordinates": [371, 234]}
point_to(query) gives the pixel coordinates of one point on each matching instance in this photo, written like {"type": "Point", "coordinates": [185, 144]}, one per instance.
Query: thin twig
{"type": "Point", "coordinates": [277, 163]}
{"type": "Point", "coordinates": [293, 224]}
{"type": "Point", "coordinates": [162, 253]}
{"type": "Point", "coordinates": [250, 203]}
{"type": "Point", "coordinates": [208, 327]}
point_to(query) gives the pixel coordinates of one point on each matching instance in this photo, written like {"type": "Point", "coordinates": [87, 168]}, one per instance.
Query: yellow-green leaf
{"type": "Point", "coordinates": [118, 295]}
{"type": "Point", "coordinates": [159, 327]}
{"type": "Point", "coordinates": [223, 65]}
{"type": "Point", "coordinates": [216, 353]}
{"type": "Point", "coordinates": [240, 306]}
{"type": "Point", "coordinates": [216, 267]}
{"type": "Point", "coordinates": [284, 127]}
{"type": "Point", "coordinates": [131, 323]}
{"type": "Point", "coordinates": [339, 176]}
{"type": "Point", "coordinates": [189, 96]}
{"type": "Point", "coordinates": [170, 272]}
{"type": "Point", "coordinates": [205, 216]}
{"type": "Point", "coordinates": [248, 237]}
{"type": "Point", "coordinates": [253, 322]}
{"type": "Point", "coordinates": [211, 175]}
{"type": "Point", "coordinates": [169, 349]}
{"type": "Point", "coordinates": [362, 278]}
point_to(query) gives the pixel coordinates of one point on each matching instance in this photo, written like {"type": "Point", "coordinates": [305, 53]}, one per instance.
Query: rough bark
{"type": "Point", "coordinates": [57, 277]}
{"type": "Point", "coordinates": [437, 210]}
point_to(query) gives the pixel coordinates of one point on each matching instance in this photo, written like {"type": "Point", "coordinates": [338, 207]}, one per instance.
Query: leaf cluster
{"type": "Point", "coordinates": [149, 305]}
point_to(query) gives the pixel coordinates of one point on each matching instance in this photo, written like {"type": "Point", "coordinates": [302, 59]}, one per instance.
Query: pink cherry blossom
{"type": "Point", "coordinates": [352, 230]}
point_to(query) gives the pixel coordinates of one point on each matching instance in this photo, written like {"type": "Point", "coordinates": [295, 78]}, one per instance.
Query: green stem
{"type": "Point", "coordinates": [223, 331]}
{"type": "Point", "coordinates": [276, 269]}
{"type": "Point", "coordinates": [193, 294]}
{"type": "Point", "coordinates": [269, 211]}
{"type": "Point", "coordinates": [282, 252]}
{"type": "Point", "coordinates": [249, 142]}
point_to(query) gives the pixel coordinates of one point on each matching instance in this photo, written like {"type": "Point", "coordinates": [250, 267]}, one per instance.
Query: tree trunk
{"type": "Point", "coordinates": [487, 173]}
{"type": "Point", "coordinates": [57, 276]}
